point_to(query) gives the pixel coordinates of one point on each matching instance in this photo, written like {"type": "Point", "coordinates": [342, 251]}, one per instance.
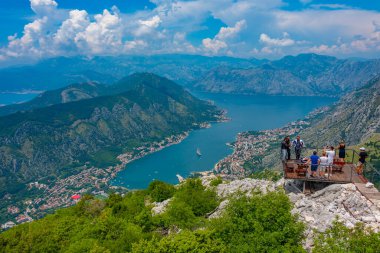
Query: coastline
{"type": "Point", "coordinates": [89, 180]}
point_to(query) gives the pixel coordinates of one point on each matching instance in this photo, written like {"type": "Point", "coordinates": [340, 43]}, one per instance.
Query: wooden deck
{"type": "Point", "coordinates": [347, 175]}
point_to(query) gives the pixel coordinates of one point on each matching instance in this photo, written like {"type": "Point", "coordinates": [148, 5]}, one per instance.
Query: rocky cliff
{"type": "Point", "coordinates": [353, 119]}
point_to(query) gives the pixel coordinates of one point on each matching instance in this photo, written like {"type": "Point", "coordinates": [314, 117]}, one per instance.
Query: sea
{"type": "Point", "coordinates": [247, 112]}
{"type": "Point", "coordinates": [7, 98]}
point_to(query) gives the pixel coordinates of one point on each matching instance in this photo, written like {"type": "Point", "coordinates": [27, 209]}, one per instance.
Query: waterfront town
{"type": "Point", "coordinates": [90, 180]}
{"type": "Point", "coordinates": [250, 148]}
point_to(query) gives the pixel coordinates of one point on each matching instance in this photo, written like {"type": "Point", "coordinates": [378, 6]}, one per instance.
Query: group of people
{"type": "Point", "coordinates": [286, 147]}
{"type": "Point", "coordinates": [319, 165]}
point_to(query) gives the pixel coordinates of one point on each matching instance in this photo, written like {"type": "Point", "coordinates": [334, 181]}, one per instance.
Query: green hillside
{"type": "Point", "coordinates": [262, 223]}
{"type": "Point", "coordinates": [53, 141]}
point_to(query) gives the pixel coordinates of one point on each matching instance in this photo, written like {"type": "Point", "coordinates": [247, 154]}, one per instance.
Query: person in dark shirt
{"type": "Point", "coordinates": [362, 156]}
{"type": "Point", "coordinates": [288, 146]}
{"type": "Point", "coordinates": [342, 151]}
{"type": "Point", "coordinates": [285, 147]}
{"type": "Point", "coordinates": [284, 152]}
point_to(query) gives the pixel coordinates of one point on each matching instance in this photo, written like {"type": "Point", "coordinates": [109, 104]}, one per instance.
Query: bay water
{"type": "Point", "coordinates": [258, 112]}
{"type": "Point", "coordinates": [12, 98]}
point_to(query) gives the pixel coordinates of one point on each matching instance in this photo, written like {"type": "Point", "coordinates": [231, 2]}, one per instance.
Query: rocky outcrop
{"type": "Point", "coordinates": [160, 207]}
{"type": "Point", "coordinates": [338, 201]}
{"type": "Point", "coordinates": [318, 211]}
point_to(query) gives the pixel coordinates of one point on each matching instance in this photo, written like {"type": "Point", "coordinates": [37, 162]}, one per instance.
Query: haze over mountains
{"type": "Point", "coordinates": [305, 74]}
{"type": "Point", "coordinates": [59, 72]}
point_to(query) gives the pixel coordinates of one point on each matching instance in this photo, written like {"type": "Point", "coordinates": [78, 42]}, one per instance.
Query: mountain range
{"type": "Point", "coordinates": [97, 121]}
{"type": "Point", "coordinates": [354, 119]}
{"type": "Point", "coordinates": [302, 75]}
{"type": "Point", "coordinates": [59, 72]}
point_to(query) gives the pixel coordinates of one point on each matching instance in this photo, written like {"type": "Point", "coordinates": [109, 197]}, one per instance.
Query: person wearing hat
{"type": "Point", "coordinates": [362, 156]}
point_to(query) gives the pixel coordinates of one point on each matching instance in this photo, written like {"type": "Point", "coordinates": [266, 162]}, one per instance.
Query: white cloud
{"type": "Point", "coordinates": [213, 45]}
{"type": "Point", "coordinates": [329, 28]}
{"type": "Point", "coordinates": [76, 24]}
{"type": "Point", "coordinates": [103, 36]}
{"type": "Point", "coordinates": [43, 6]}
{"type": "Point", "coordinates": [31, 41]}
{"type": "Point", "coordinates": [224, 35]}
{"type": "Point", "coordinates": [330, 6]}
{"type": "Point", "coordinates": [365, 45]}
{"type": "Point", "coordinates": [230, 32]}
{"type": "Point", "coordinates": [283, 42]}
{"type": "Point", "coordinates": [153, 22]}
{"type": "Point", "coordinates": [147, 26]}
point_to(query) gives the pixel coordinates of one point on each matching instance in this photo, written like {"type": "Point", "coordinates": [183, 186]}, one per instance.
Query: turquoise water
{"type": "Point", "coordinates": [12, 98]}
{"type": "Point", "coordinates": [247, 113]}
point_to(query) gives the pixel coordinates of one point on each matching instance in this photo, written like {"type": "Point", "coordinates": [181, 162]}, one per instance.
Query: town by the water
{"type": "Point", "coordinates": [249, 148]}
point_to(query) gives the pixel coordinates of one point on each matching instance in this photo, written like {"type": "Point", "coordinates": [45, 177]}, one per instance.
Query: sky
{"type": "Point", "coordinates": [38, 29]}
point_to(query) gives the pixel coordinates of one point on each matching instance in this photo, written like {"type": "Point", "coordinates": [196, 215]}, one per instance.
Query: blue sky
{"type": "Point", "coordinates": [37, 29]}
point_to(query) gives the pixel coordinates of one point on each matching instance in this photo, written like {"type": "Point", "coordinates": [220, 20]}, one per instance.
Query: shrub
{"type": "Point", "coordinates": [179, 214]}
{"type": "Point", "coordinates": [160, 191]}
{"type": "Point", "coordinates": [194, 194]}
{"type": "Point", "coordinates": [267, 174]}
{"type": "Point", "coordinates": [339, 239]}
{"type": "Point", "coordinates": [184, 242]}
{"type": "Point", "coordinates": [262, 223]}
{"type": "Point", "coordinates": [217, 181]}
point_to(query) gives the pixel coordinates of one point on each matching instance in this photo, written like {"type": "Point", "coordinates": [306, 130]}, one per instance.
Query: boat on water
{"type": "Point", "coordinates": [199, 152]}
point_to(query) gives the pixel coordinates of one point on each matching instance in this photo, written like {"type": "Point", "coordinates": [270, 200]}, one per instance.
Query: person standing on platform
{"type": "Point", "coordinates": [284, 150]}
{"type": "Point", "coordinates": [314, 163]}
{"type": "Point", "coordinates": [342, 151]}
{"type": "Point", "coordinates": [362, 156]}
{"type": "Point", "coordinates": [288, 146]}
{"type": "Point", "coordinates": [298, 145]}
{"type": "Point", "coordinates": [330, 155]}
{"type": "Point", "coordinates": [323, 165]}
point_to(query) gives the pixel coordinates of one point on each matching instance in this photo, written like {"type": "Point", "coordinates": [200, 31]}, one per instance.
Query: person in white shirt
{"type": "Point", "coordinates": [330, 156]}
{"type": "Point", "coordinates": [323, 165]}
{"type": "Point", "coordinates": [298, 145]}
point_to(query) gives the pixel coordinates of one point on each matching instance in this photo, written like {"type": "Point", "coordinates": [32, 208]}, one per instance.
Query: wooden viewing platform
{"type": "Point", "coordinates": [341, 173]}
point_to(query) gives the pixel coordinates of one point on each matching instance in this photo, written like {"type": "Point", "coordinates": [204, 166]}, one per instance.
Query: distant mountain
{"type": "Point", "coordinates": [305, 74]}
{"type": "Point", "coordinates": [71, 93]}
{"type": "Point", "coordinates": [59, 72]}
{"type": "Point", "coordinates": [354, 118]}
{"type": "Point", "coordinates": [140, 109]}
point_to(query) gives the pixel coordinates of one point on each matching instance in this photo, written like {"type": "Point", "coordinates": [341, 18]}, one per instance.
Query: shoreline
{"type": "Point", "coordinates": [93, 180]}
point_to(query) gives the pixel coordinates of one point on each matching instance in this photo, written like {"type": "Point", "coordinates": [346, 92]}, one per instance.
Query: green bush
{"type": "Point", "coordinates": [267, 174]}
{"type": "Point", "coordinates": [160, 191]}
{"type": "Point", "coordinates": [179, 214]}
{"type": "Point", "coordinates": [340, 239]}
{"type": "Point", "coordinates": [262, 223]}
{"type": "Point", "coordinates": [194, 194]}
{"type": "Point", "coordinates": [217, 181]}
{"type": "Point", "coordinates": [184, 242]}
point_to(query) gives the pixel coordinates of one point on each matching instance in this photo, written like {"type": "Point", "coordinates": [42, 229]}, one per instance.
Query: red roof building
{"type": "Point", "coordinates": [75, 197]}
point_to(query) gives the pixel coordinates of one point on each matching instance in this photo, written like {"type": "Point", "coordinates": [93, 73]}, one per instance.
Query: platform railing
{"type": "Point", "coordinates": [370, 172]}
